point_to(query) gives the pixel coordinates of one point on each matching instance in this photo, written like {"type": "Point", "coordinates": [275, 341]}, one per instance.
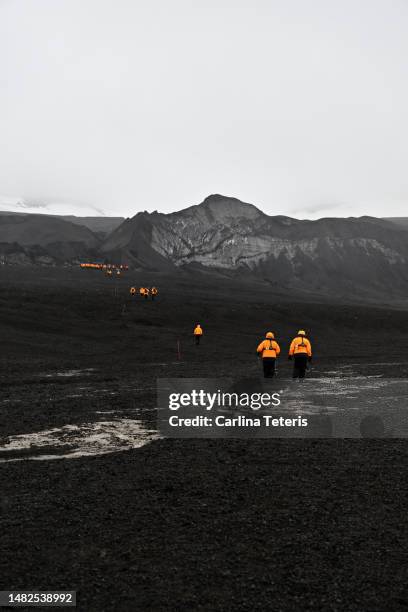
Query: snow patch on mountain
{"type": "Point", "coordinates": [23, 205]}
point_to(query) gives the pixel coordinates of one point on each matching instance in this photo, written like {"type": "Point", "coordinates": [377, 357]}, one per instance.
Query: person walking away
{"type": "Point", "coordinates": [198, 332]}
{"type": "Point", "coordinates": [301, 351]}
{"type": "Point", "coordinates": [269, 350]}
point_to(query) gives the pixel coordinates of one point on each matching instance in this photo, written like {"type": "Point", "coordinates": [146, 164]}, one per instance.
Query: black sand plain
{"type": "Point", "coordinates": [285, 525]}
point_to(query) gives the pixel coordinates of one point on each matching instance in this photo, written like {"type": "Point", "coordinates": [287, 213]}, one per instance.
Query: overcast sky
{"type": "Point", "coordinates": [300, 107]}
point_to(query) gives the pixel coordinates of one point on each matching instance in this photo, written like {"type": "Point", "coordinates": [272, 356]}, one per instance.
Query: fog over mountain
{"type": "Point", "coordinates": [299, 106]}
{"type": "Point", "coordinates": [45, 207]}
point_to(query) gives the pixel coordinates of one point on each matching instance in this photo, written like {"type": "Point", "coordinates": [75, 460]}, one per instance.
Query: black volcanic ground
{"type": "Point", "coordinates": [191, 525]}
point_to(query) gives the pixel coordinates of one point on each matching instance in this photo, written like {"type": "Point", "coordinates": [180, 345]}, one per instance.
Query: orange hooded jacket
{"type": "Point", "coordinates": [268, 348]}
{"type": "Point", "coordinates": [300, 345]}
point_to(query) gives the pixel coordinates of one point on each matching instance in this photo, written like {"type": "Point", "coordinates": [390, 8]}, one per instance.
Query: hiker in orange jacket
{"type": "Point", "coordinates": [198, 332]}
{"type": "Point", "coordinates": [269, 350]}
{"type": "Point", "coordinates": [301, 351]}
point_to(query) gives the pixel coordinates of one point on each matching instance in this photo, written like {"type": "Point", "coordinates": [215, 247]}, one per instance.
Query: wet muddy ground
{"type": "Point", "coordinates": [81, 413]}
{"type": "Point", "coordinates": [93, 500]}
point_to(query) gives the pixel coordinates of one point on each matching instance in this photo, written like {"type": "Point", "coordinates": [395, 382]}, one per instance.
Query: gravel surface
{"type": "Point", "coordinates": [185, 525]}
{"type": "Point", "coordinates": [213, 525]}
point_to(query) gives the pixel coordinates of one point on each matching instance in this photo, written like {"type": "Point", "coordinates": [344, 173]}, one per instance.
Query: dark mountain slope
{"type": "Point", "coordinates": [222, 234]}
{"type": "Point", "coordinates": [44, 239]}
{"type": "Point", "coordinates": [101, 226]}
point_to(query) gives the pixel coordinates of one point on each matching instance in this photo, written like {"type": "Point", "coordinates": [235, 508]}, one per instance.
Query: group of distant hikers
{"type": "Point", "coordinates": [268, 350]}
{"type": "Point", "coordinates": [145, 292]}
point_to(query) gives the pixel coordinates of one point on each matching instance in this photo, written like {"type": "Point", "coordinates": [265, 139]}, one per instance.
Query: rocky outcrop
{"type": "Point", "coordinates": [226, 235]}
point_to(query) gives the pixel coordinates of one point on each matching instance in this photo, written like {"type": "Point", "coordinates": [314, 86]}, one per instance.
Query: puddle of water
{"type": "Point", "coordinates": [89, 391]}
{"type": "Point", "coordinates": [351, 392]}
{"type": "Point", "coordinates": [155, 364]}
{"type": "Point", "coordinates": [377, 363]}
{"type": "Point", "coordinates": [306, 408]}
{"type": "Point", "coordinates": [85, 440]}
{"type": "Point", "coordinates": [69, 373]}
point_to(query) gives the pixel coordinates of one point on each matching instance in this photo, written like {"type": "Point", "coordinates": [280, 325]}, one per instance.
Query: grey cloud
{"type": "Point", "coordinates": [127, 106]}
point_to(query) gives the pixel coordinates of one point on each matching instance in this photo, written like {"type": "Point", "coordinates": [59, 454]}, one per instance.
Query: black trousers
{"type": "Point", "coordinates": [300, 365]}
{"type": "Point", "coordinates": [269, 366]}
{"type": "Point", "coordinates": [197, 339]}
